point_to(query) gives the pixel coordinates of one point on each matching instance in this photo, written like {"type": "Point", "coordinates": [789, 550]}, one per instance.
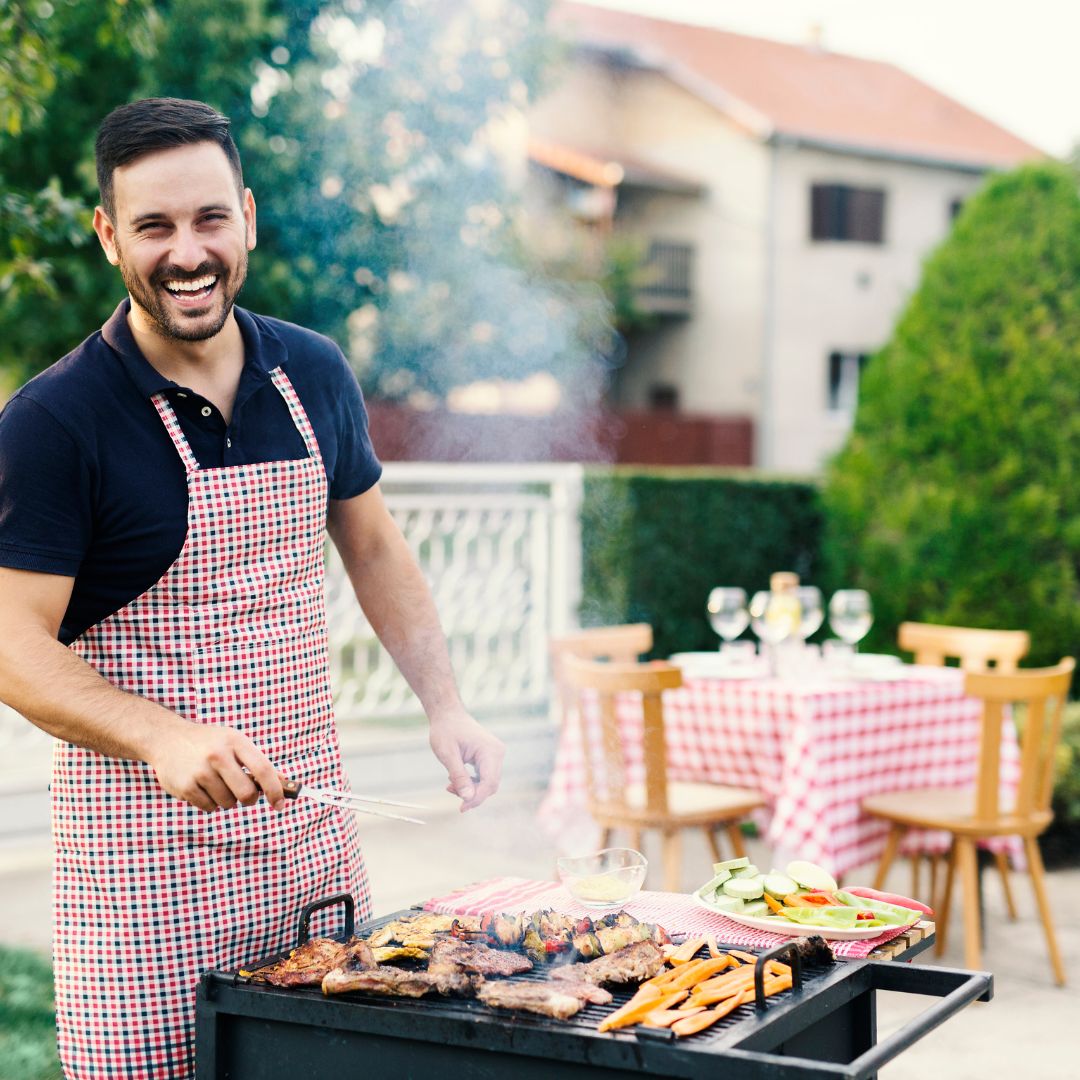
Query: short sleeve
{"type": "Point", "coordinates": [45, 517]}
{"type": "Point", "coordinates": [357, 468]}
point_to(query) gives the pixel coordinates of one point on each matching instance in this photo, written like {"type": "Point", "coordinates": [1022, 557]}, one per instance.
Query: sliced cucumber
{"type": "Point", "coordinates": [779, 885]}
{"type": "Point", "coordinates": [755, 908]}
{"type": "Point", "coordinates": [750, 871]}
{"type": "Point", "coordinates": [730, 864]}
{"type": "Point", "coordinates": [811, 876]}
{"type": "Point", "coordinates": [744, 888]}
{"type": "Point", "coordinates": [717, 881]}
{"type": "Point", "coordinates": [723, 902]}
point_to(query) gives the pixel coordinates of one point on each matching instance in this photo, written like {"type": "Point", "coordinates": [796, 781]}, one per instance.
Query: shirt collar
{"type": "Point", "coordinates": [263, 350]}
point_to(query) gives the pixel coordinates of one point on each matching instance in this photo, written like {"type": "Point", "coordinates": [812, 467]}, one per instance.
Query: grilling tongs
{"type": "Point", "coordinates": [347, 801]}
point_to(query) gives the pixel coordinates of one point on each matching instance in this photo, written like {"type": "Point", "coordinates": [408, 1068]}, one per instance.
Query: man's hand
{"type": "Point", "coordinates": [211, 766]}
{"type": "Point", "coordinates": [458, 741]}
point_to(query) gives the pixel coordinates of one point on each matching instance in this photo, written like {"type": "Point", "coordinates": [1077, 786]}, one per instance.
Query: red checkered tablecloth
{"type": "Point", "coordinates": [815, 750]}
{"type": "Point", "coordinates": [678, 914]}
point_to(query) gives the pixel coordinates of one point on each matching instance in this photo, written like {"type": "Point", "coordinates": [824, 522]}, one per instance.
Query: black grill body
{"type": "Point", "coordinates": [824, 1028]}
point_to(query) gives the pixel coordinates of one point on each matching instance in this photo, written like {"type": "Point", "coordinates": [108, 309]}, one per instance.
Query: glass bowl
{"type": "Point", "coordinates": [605, 879]}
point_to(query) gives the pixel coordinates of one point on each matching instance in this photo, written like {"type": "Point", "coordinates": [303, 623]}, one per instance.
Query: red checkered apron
{"type": "Point", "coordinates": [150, 891]}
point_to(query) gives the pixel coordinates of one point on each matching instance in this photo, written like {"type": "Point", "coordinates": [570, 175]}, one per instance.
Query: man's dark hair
{"type": "Point", "coordinates": [157, 124]}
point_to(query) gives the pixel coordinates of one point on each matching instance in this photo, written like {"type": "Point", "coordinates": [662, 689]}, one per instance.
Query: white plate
{"type": "Point", "coordinates": [714, 666]}
{"type": "Point", "coordinates": [794, 929]}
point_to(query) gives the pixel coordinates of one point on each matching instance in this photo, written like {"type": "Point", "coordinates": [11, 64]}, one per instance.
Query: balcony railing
{"type": "Point", "coordinates": [667, 279]}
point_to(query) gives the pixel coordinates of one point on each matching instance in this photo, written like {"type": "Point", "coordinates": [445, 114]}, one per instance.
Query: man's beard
{"type": "Point", "coordinates": [180, 327]}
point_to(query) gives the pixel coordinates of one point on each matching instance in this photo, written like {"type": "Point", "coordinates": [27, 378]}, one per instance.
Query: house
{"type": "Point", "coordinates": [786, 196]}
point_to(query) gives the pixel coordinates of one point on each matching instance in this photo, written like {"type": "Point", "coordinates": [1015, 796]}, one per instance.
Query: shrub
{"type": "Point", "coordinates": [655, 542]}
{"type": "Point", "coordinates": [27, 1017]}
{"type": "Point", "coordinates": [1061, 843]}
{"type": "Point", "coordinates": [954, 500]}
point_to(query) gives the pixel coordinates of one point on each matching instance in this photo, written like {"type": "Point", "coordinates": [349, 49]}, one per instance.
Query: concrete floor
{"type": "Point", "coordinates": [1031, 1028]}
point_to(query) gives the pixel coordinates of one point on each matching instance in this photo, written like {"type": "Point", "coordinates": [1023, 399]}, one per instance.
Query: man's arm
{"type": "Point", "coordinates": [62, 694]}
{"type": "Point", "coordinates": [399, 605]}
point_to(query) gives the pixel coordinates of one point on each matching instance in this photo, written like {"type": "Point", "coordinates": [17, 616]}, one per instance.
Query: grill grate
{"type": "Point", "coordinates": [583, 1023]}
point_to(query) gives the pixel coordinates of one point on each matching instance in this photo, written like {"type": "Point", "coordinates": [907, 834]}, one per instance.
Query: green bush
{"type": "Point", "coordinates": [954, 499]}
{"type": "Point", "coordinates": [27, 1017]}
{"type": "Point", "coordinates": [656, 541]}
{"type": "Point", "coordinates": [1061, 843]}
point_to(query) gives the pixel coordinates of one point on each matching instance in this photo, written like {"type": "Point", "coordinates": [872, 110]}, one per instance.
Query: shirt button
{"type": "Point", "coordinates": [228, 444]}
{"type": "Point", "coordinates": [206, 410]}
{"type": "Point", "coordinates": [181, 394]}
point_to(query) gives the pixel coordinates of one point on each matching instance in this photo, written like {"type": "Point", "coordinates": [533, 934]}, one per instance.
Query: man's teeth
{"type": "Point", "coordinates": [191, 286]}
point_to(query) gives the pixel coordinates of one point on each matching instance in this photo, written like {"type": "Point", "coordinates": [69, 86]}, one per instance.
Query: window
{"type": "Point", "coordinates": [844, 371]}
{"type": "Point", "coordinates": [840, 212]}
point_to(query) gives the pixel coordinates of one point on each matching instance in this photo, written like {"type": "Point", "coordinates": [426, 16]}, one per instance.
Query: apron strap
{"type": "Point", "coordinates": [285, 388]}
{"type": "Point", "coordinates": [176, 433]}
{"type": "Point", "coordinates": [300, 418]}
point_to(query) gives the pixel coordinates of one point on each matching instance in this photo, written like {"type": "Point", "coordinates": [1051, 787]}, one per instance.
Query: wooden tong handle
{"type": "Point", "coordinates": [291, 788]}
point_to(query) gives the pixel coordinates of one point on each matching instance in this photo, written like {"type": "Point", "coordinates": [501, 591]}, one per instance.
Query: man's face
{"type": "Point", "coordinates": [180, 238]}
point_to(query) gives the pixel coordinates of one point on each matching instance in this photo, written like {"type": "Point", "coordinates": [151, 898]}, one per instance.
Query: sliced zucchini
{"type": "Point", "coordinates": [779, 885]}
{"type": "Point", "coordinates": [730, 864]}
{"type": "Point", "coordinates": [750, 871]}
{"type": "Point", "coordinates": [811, 876]}
{"type": "Point", "coordinates": [723, 902]}
{"type": "Point", "coordinates": [755, 908]}
{"type": "Point", "coordinates": [744, 888]}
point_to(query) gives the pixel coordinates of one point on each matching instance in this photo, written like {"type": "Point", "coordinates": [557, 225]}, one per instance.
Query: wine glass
{"type": "Point", "coordinates": [851, 615]}
{"type": "Point", "coordinates": [773, 616]}
{"type": "Point", "coordinates": [811, 612]}
{"type": "Point", "coordinates": [727, 612]}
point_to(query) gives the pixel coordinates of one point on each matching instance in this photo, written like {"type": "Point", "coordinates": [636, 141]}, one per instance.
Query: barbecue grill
{"type": "Point", "coordinates": [824, 1027]}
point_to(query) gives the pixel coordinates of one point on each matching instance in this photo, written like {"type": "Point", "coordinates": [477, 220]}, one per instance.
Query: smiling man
{"type": "Point", "coordinates": [165, 492]}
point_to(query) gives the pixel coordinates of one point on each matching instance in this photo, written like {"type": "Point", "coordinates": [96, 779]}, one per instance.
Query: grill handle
{"type": "Point", "coordinates": [303, 931]}
{"type": "Point", "coordinates": [775, 954]}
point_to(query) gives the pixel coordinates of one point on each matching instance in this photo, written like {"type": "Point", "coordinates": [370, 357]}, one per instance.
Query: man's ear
{"type": "Point", "coordinates": [249, 218]}
{"type": "Point", "coordinates": [106, 234]}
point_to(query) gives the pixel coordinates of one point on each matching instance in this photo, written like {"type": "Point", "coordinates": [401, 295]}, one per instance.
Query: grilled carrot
{"type": "Point", "coordinates": [663, 1018]}
{"type": "Point", "coordinates": [714, 950]}
{"type": "Point", "coordinates": [635, 1011]}
{"type": "Point", "coordinates": [748, 957]}
{"type": "Point", "coordinates": [685, 952]}
{"type": "Point", "coordinates": [693, 1024]}
{"type": "Point", "coordinates": [705, 969]}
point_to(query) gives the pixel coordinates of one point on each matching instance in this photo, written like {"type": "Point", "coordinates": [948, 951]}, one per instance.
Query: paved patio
{"type": "Point", "coordinates": [1031, 1026]}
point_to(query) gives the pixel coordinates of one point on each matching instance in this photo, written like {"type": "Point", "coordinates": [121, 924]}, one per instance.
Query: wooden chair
{"type": "Point", "coordinates": [658, 803]}
{"type": "Point", "coordinates": [976, 650]}
{"type": "Point", "coordinates": [624, 643]}
{"type": "Point", "coordinates": [980, 815]}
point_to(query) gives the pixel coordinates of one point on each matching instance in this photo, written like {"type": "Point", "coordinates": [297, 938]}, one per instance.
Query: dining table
{"type": "Point", "coordinates": [815, 746]}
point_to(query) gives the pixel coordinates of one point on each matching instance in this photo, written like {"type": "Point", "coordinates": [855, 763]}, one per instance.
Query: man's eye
{"type": "Point", "coordinates": [151, 225]}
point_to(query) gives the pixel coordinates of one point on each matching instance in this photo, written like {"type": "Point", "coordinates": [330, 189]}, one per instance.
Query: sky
{"type": "Point", "coordinates": [1017, 62]}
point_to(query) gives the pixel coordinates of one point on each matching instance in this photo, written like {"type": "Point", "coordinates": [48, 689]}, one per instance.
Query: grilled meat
{"type": "Point", "coordinates": [632, 964]}
{"type": "Point", "coordinates": [560, 1002]}
{"type": "Point", "coordinates": [306, 965]}
{"type": "Point", "coordinates": [418, 931]}
{"type": "Point", "coordinates": [398, 983]}
{"type": "Point", "coordinates": [476, 958]}
{"type": "Point", "coordinates": [814, 950]}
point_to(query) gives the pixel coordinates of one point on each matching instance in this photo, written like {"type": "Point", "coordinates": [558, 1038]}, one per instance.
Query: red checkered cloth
{"type": "Point", "coordinates": [679, 915]}
{"type": "Point", "coordinates": [814, 750]}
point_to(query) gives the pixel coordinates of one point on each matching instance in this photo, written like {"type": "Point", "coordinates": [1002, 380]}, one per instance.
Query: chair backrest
{"type": "Point", "coordinates": [596, 686]}
{"type": "Point", "coordinates": [622, 643]}
{"type": "Point", "coordinates": [975, 649]}
{"type": "Point", "coordinates": [1042, 693]}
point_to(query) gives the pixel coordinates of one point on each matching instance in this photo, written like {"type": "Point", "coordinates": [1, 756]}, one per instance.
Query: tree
{"type": "Point", "coordinates": [954, 500]}
{"type": "Point", "coordinates": [370, 134]}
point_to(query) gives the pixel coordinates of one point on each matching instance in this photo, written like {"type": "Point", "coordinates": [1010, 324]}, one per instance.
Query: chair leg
{"type": "Point", "coordinates": [672, 860]}
{"type": "Point", "coordinates": [916, 875]}
{"type": "Point", "coordinates": [635, 839]}
{"type": "Point", "coordinates": [932, 892]}
{"type": "Point", "coordinates": [967, 863]}
{"type": "Point", "coordinates": [941, 908]}
{"type": "Point", "coordinates": [605, 837]}
{"type": "Point", "coordinates": [887, 856]}
{"type": "Point", "coordinates": [1038, 881]}
{"type": "Point", "coordinates": [735, 836]}
{"type": "Point", "coordinates": [1002, 861]}
{"type": "Point", "coordinates": [714, 845]}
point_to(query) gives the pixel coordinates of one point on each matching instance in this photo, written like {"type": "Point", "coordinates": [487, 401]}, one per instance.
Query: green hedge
{"type": "Point", "coordinates": [27, 1017]}
{"type": "Point", "coordinates": [656, 541]}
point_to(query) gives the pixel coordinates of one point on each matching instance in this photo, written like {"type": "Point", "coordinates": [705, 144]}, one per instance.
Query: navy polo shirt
{"type": "Point", "coordinates": [91, 485]}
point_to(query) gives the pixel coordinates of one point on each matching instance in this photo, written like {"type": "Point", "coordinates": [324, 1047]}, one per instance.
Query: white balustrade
{"type": "Point", "coordinates": [500, 547]}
